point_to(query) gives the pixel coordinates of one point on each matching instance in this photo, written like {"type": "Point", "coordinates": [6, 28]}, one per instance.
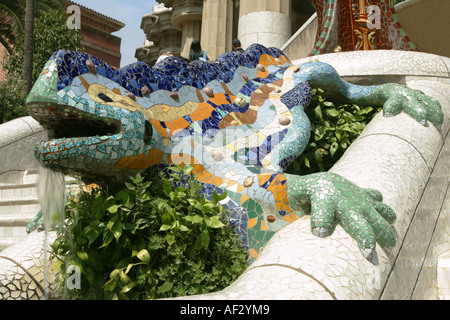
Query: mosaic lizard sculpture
{"type": "Point", "coordinates": [238, 121]}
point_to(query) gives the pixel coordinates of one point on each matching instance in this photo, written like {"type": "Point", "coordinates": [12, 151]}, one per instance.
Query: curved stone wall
{"type": "Point", "coordinates": [17, 140]}
{"type": "Point", "coordinates": [409, 164]}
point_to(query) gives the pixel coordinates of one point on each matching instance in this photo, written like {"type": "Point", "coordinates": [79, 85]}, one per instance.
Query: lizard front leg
{"type": "Point", "coordinates": [336, 200]}
{"type": "Point", "coordinates": [393, 97]}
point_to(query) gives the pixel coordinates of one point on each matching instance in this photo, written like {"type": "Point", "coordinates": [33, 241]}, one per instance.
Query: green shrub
{"type": "Point", "coordinates": [12, 100]}
{"type": "Point", "coordinates": [334, 128]}
{"type": "Point", "coordinates": [149, 240]}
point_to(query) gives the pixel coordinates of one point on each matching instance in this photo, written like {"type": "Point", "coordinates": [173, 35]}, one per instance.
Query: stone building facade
{"type": "Point", "coordinates": [97, 29]}
{"type": "Point", "coordinates": [173, 25]}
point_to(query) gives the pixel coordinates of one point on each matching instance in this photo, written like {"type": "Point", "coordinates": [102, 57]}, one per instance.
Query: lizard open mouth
{"type": "Point", "coordinates": [68, 122]}
{"type": "Point", "coordinates": [72, 134]}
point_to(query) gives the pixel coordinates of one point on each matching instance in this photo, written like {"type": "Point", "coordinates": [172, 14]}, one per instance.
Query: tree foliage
{"type": "Point", "coordinates": [51, 34]}
{"type": "Point", "coordinates": [12, 18]}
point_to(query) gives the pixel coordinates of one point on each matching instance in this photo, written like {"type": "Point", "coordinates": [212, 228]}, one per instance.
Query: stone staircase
{"type": "Point", "coordinates": [19, 203]}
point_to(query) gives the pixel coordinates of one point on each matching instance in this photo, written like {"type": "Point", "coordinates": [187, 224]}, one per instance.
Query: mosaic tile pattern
{"type": "Point", "coordinates": [338, 26]}
{"type": "Point", "coordinates": [22, 276]}
{"type": "Point", "coordinates": [394, 155]}
{"type": "Point", "coordinates": [238, 121]}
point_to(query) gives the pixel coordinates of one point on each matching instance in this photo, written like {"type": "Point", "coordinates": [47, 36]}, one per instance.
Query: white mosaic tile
{"type": "Point", "coordinates": [388, 62]}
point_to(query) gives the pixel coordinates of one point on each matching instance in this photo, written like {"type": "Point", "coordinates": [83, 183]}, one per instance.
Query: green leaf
{"type": "Point", "coordinates": [124, 278]}
{"type": "Point", "coordinates": [165, 227]}
{"type": "Point", "coordinates": [216, 198]}
{"type": "Point", "coordinates": [112, 221]}
{"type": "Point", "coordinates": [318, 156]}
{"type": "Point", "coordinates": [113, 208]}
{"type": "Point", "coordinates": [127, 288]}
{"type": "Point", "coordinates": [366, 110]}
{"type": "Point", "coordinates": [333, 148]}
{"type": "Point", "coordinates": [176, 168]}
{"type": "Point", "coordinates": [318, 113]}
{"type": "Point", "coordinates": [131, 265]}
{"type": "Point", "coordinates": [92, 235]}
{"type": "Point", "coordinates": [183, 228]}
{"type": "Point", "coordinates": [194, 219]}
{"type": "Point", "coordinates": [144, 256]}
{"type": "Point", "coordinates": [82, 255]}
{"type": "Point", "coordinates": [123, 196]}
{"type": "Point", "coordinates": [306, 161]}
{"type": "Point", "coordinates": [117, 230]}
{"type": "Point", "coordinates": [130, 186]}
{"type": "Point", "coordinates": [167, 188]}
{"type": "Point", "coordinates": [107, 238]}
{"type": "Point", "coordinates": [137, 179]}
{"type": "Point", "coordinates": [208, 206]}
{"type": "Point", "coordinates": [205, 238]}
{"type": "Point", "coordinates": [170, 238]}
{"type": "Point", "coordinates": [198, 245]}
{"type": "Point", "coordinates": [338, 135]}
{"type": "Point", "coordinates": [165, 287]}
{"type": "Point", "coordinates": [187, 170]}
{"type": "Point", "coordinates": [216, 223]}
{"type": "Point", "coordinates": [167, 218]}
{"type": "Point", "coordinates": [123, 263]}
{"type": "Point", "coordinates": [114, 273]}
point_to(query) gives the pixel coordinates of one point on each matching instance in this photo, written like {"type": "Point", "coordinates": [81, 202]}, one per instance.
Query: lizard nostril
{"type": "Point", "coordinates": [104, 97]}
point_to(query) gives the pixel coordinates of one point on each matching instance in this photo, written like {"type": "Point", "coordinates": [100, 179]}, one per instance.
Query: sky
{"type": "Point", "coordinates": [129, 12]}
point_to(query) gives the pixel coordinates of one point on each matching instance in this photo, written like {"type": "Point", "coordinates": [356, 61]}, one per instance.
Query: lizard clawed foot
{"type": "Point", "coordinates": [421, 107]}
{"type": "Point", "coordinates": [360, 212]}
{"type": "Point", "coordinates": [321, 232]}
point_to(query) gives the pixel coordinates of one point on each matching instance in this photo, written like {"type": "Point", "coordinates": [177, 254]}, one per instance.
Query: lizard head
{"type": "Point", "coordinates": [92, 121]}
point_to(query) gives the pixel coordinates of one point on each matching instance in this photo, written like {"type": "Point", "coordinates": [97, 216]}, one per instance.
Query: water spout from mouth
{"type": "Point", "coordinates": [51, 193]}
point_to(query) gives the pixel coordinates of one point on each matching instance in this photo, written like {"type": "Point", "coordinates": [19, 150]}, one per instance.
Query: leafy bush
{"type": "Point", "coordinates": [149, 240]}
{"type": "Point", "coordinates": [50, 34]}
{"type": "Point", "coordinates": [334, 128]}
{"type": "Point", "coordinates": [12, 100]}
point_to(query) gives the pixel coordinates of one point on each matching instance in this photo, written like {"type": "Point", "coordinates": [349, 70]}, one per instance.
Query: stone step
{"type": "Point", "coordinates": [19, 203]}
{"type": "Point", "coordinates": [18, 192]}
{"type": "Point", "coordinates": [26, 191]}
{"type": "Point", "coordinates": [14, 221]}
{"type": "Point", "coordinates": [5, 243]}
{"type": "Point", "coordinates": [12, 229]}
{"type": "Point", "coordinates": [19, 208]}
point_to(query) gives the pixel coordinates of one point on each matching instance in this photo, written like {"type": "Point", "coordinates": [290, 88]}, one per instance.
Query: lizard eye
{"type": "Point", "coordinates": [104, 97]}
{"type": "Point", "coordinates": [148, 133]}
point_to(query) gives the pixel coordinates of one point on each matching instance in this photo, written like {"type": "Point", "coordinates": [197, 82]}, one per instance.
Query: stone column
{"type": "Point", "coordinates": [187, 17]}
{"type": "Point", "coordinates": [217, 26]}
{"type": "Point", "coordinates": [191, 31]}
{"type": "Point", "coordinates": [266, 22]}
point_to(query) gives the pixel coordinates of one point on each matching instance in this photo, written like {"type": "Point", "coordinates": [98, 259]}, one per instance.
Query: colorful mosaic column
{"type": "Point", "coordinates": [358, 25]}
